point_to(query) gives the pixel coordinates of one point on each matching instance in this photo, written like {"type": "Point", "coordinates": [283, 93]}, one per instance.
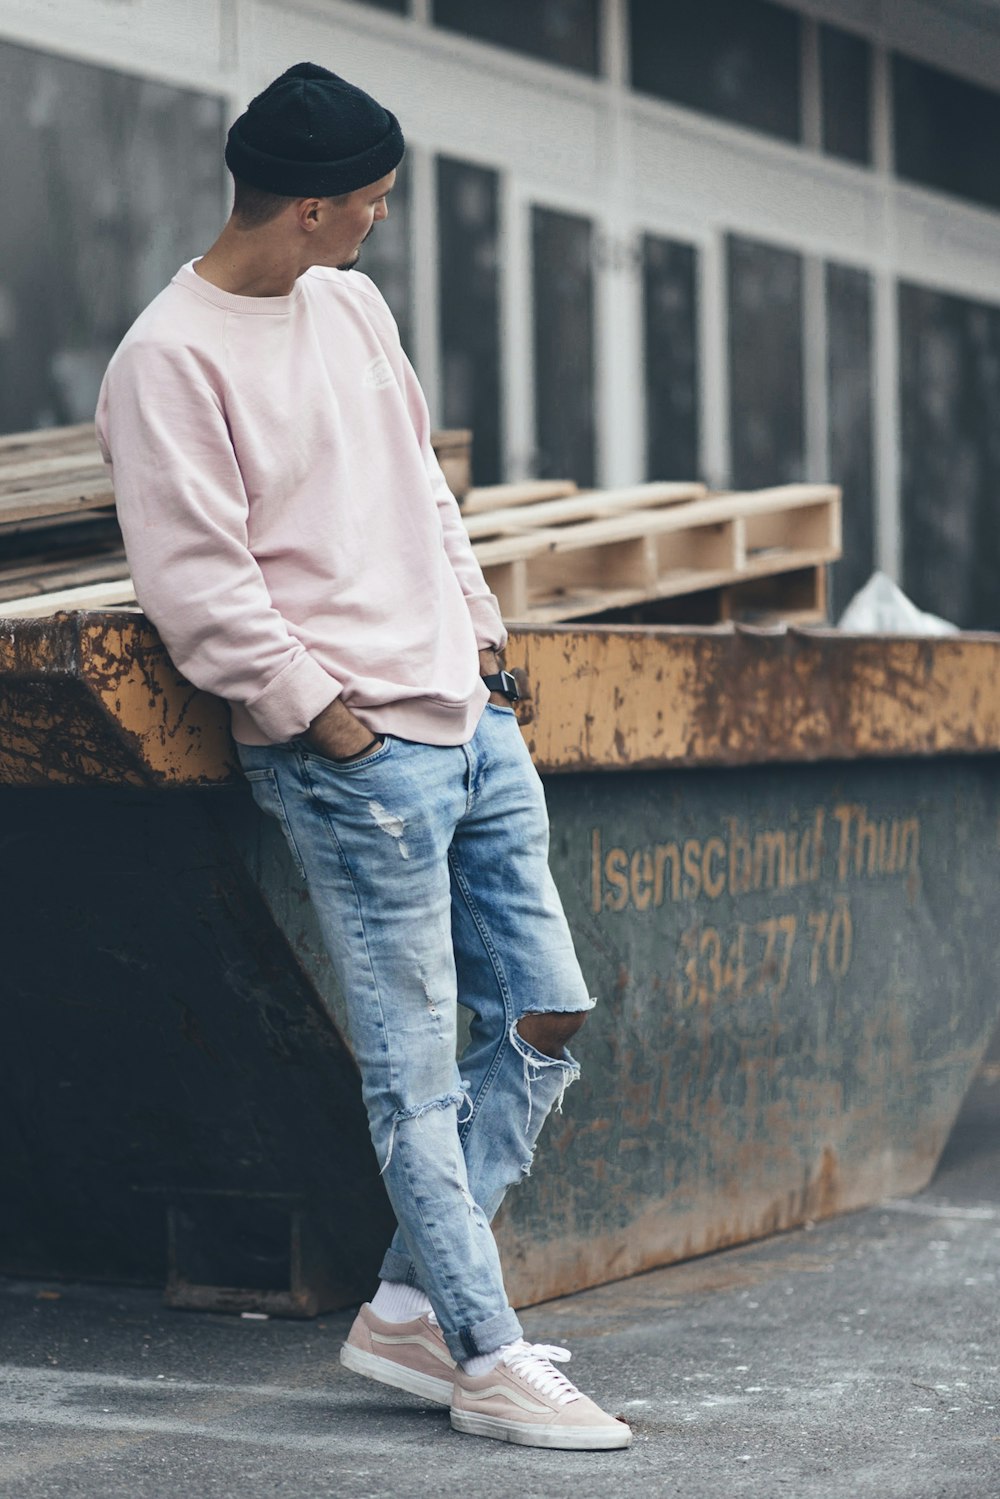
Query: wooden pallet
{"type": "Point", "coordinates": [548, 573]}
{"type": "Point", "coordinates": [549, 551]}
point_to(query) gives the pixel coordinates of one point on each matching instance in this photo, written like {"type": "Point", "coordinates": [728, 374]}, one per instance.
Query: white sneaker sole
{"type": "Point", "coordinates": [397, 1375]}
{"type": "Point", "coordinates": [573, 1438]}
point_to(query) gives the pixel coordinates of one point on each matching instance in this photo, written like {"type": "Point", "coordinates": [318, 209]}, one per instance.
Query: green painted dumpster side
{"type": "Point", "coordinates": [796, 973]}
{"type": "Point", "coordinates": [783, 905]}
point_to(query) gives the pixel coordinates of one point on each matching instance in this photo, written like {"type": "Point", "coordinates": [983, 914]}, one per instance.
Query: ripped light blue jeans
{"type": "Point", "coordinates": [428, 868]}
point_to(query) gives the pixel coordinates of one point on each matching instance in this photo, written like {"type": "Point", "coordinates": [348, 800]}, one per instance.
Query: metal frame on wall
{"type": "Point", "coordinates": [630, 163]}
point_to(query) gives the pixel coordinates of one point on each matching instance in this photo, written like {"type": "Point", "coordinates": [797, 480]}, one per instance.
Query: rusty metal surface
{"type": "Point", "coordinates": [618, 698]}
{"type": "Point", "coordinates": [796, 975]}
{"type": "Point", "coordinates": [90, 699]}
{"type": "Point", "coordinates": [93, 699]}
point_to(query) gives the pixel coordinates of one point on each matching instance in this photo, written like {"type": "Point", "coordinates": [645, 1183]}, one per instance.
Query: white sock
{"type": "Point", "coordinates": [395, 1301]}
{"type": "Point", "coordinates": [484, 1362]}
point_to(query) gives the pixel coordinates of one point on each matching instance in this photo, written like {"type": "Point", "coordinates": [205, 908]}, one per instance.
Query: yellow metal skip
{"type": "Point", "coordinates": [93, 699]}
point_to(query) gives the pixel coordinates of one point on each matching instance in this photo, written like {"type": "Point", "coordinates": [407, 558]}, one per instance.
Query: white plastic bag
{"type": "Point", "coordinates": [880, 608]}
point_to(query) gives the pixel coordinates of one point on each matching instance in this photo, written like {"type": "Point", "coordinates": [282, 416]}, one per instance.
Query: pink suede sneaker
{"type": "Point", "coordinates": [526, 1399]}
{"type": "Point", "coordinates": [411, 1356]}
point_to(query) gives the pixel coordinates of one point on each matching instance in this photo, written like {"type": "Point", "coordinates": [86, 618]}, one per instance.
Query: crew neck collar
{"type": "Point", "coordinates": [188, 277]}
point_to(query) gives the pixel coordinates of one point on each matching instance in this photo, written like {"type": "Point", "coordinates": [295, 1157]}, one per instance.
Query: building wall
{"type": "Point", "coordinates": [726, 238]}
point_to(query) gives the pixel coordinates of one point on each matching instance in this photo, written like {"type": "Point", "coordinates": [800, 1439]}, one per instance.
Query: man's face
{"type": "Point", "coordinates": [347, 222]}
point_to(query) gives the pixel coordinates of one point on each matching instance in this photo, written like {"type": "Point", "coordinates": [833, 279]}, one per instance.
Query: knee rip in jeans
{"type": "Point", "coordinates": [553, 1031]}
{"type": "Point", "coordinates": [406, 1116]}
{"type": "Point", "coordinates": [535, 1064]}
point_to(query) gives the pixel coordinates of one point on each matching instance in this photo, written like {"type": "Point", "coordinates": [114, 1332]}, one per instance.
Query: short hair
{"type": "Point", "coordinates": [254, 207]}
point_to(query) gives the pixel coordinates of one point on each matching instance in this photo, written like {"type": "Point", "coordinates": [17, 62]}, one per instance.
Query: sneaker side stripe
{"type": "Point", "coordinates": [401, 1338]}
{"type": "Point", "coordinates": [514, 1396]}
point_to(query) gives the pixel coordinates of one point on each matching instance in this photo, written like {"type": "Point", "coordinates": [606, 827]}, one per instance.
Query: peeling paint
{"type": "Point", "coordinates": [93, 698]}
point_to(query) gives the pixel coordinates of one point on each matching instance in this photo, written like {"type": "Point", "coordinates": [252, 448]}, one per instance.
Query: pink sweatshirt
{"type": "Point", "coordinates": [288, 528]}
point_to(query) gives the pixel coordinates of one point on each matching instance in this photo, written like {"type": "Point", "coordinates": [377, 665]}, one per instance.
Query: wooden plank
{"type": "Point", "coordinates": [453, 450]}
{"type": "Point", "coordinates": [591, 504]}
{"type": "Point", "coordinates": [513, 548]}
{"type": "Point", "coordinates": [799, 595]}
{"type": "Point", "coordinates": [509, 582]}
{"type": "Point", "coordinates": [30, 578]}
{"type": "Point", "coordinates": [629, 564]}
{"type": "Point", "coordinates": [577, 605]}
{"type": "Point", "coordinates": [96, 596]}
{"type": "Point", "coordinates": [503, 496]}
{"type": "Point", "coordinates": [581, 537]}
{"type": "Point", "coordinates": [57, 499]}
{"type": "Point", "coordinates": [103, 520]}
{"type": "Point", "coordinates": [61, 469]}
{"type": "Point", "coordinates": [634, 523]}
{"type": "Point", "coordinates": [53, 439]}
{"type": "Point", "coordinates": [760, 502]}
{"type": "Point", "coordinates": [785, 562]}
{"type": "Point", "coordinates": [680, 582]}
{"type": "Point", "coordinates": [451, 439]}
{"type": "Point", "coordinates": [780, 496]}
{"type": "Point", "coordinates": [712, 549]}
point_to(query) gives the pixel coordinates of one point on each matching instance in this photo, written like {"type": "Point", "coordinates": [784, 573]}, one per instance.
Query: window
{"type": "Point", "coordinates": [846, 83]}
{"type": "Point", "coordinates": [852, 438]}
{"type": "Point", "coordinates": [469, 302]}
{"type": "Point", "coordinates": [670, 348]}
{"type": "Point", "coordinates": [765, 364]}
{"type": "Point", "coordinates": [117, 182]}
{"type": "Point", "coordinates": [559, 31]}
{"type": "Point", "coordinates": [949, 358]}
{"type": "Point", "coordinates": [736, 59]}
{"type": "Point", "coordinates": [946, 131]}
{"type": "Point", "coordinates": [563, 284]}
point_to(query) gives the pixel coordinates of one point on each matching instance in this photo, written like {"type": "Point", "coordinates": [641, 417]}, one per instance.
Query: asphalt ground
{"type": "Point", "coordinates": [857, 1358]}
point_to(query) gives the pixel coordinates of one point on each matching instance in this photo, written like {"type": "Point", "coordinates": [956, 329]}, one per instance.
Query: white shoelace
{"type": "Point", "coordinates": [534, 1363]}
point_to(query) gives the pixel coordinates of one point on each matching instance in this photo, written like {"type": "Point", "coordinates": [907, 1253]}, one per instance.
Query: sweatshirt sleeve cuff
{"type": "Point", "coordinates": [292, 699]}
{"type": "Point", "coordinates": [487, 623]}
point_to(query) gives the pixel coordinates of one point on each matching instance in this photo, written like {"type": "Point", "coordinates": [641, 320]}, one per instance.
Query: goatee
{"type": "Point", "coordinates": [350, 264]}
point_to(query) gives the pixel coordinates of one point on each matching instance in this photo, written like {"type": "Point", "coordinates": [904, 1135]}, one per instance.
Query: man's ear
{"type": "Point", "coordinates": [309, 214]}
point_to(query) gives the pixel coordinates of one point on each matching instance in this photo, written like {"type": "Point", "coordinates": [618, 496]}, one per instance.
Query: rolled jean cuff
{"type": "Point", "coordinates": [467, 1342]}
{"type": "Point", "coordinates": [399, 1268]}
{"type": "Point", "coordinates": [485, 1337]}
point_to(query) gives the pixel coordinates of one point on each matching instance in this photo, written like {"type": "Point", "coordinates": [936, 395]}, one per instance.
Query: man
{"type": "Point", "coordinates": [291, 535]}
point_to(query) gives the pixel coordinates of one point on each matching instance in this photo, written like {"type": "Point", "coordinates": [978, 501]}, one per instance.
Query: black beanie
{"type": "Point", "coordinates": [312, 134]}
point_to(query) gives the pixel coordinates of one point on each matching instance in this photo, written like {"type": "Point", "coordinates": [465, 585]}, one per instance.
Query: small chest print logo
{"type": "Point", "coordinates": [379, 374]}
